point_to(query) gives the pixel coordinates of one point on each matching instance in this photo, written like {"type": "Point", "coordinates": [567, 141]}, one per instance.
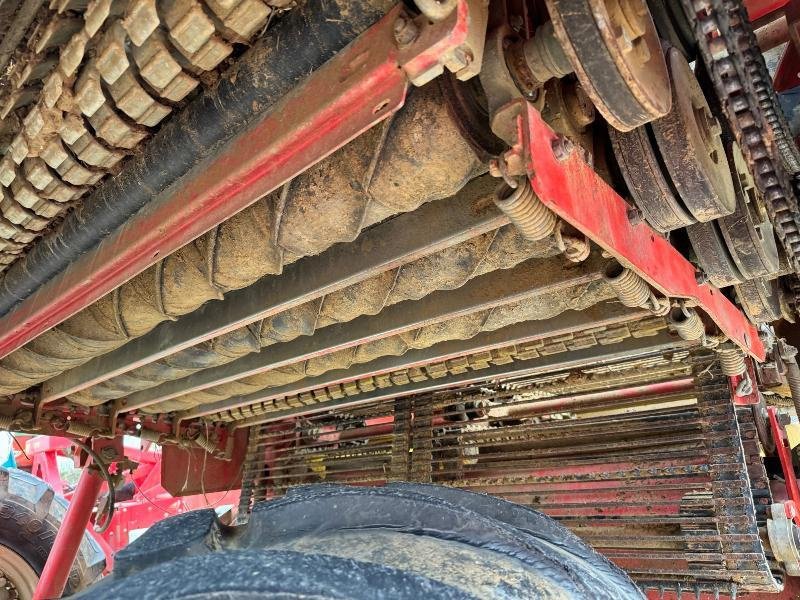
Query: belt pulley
{"type": "Point", "coordinates": [675, 167]}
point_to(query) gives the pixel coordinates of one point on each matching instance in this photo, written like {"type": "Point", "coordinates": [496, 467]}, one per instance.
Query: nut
{"type": "Point", "coordinates": [405, 32]}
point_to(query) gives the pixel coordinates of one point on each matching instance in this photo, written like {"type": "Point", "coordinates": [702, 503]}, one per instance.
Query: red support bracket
{"type": "Point", "coordinates": [785, 457]}
{"type": "Point", "coordinates": [69, 537]}
{"type": "Point", "coordinates": [758, 9]}
{"type": "Point", "coordinates": [566, 183]}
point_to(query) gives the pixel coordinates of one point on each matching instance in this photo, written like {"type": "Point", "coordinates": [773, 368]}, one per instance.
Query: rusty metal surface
{"type": "Point", "coordinates": [690, 143]}
{"type": "Point", "coordinates": [502, 369]}
{"type": "Point", "coordinates": [728, 47]}
{"type": "Point", "coordinates": [652, 189]}
{"type": "Point", "coordinates": [617, 57]}
{"type": "Point", "coordinates": [662, 479]}
{"type": "Point", "coordinates": [569, 186]}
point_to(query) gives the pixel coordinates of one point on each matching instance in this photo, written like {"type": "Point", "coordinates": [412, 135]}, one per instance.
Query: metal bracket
{"type": "Point", "coordinates": [782, 530]}
{"type": "Point", "coordinates": [565, 182]}
{"type": "Point", "coordinates": [785, 457]}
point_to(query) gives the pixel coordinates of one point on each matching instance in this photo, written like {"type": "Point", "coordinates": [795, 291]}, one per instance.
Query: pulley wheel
{"type": "Point", "coordinates": [760, 299]}
{"type": "Point", "coordinates": [652, 189]}
{"type": "Point", "coordinates": [690, 143]}
{"type": "Point", "coordinates": [712, 254]}
{"type": "Point", "coordinates": [673, 26]}
{"type": "Point", "coordinates": [748, 232]}
{"type": "Point", "coordinates": [616, 53]}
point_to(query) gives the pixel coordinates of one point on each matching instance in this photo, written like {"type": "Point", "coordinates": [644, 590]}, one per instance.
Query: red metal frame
{"type": "Point", "coordinates": [787, 74]}
{"type": "Point", "coordinates": [68, 539]}
{"type": "Point", "coordinates": [571, 188]}
{"type": "Point", "coordinates": [758, 9]}
{"type": "Point", "coordinates": [785, 457]}
{"type": "Point", "coordinates": [362, 85]}
{"type": "Point", "coordinates": [150, 503]}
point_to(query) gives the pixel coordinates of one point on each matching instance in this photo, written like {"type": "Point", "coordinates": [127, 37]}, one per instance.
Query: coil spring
{"type": "Point", "coordinates": [631, 289]}
{"type": "Point", "coordinates": [534, 220]}
{"type": "Point", "coordinates": [687, 323]}
{"type": "Point", "coordinates": [731, 360]}
{"type": "Point", "coordinates": [205, 443]}
{"type": "Point", "coordinates": [5, 423]}
{"type": "Point", "coordinates": [80, 429]}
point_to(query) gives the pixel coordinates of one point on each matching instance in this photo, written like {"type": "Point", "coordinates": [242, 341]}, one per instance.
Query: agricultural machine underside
{"type": "Point", "coordinates": [302, 275]}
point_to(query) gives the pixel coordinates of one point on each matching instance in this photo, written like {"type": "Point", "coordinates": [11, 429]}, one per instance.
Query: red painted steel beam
{"type": "Point", "coordinates": [571, 188]}
{"type": "Point", "coordinates": [758, 9]}
{"type": "Point", "coordinates": [359, 87]}
{"type": "Point", "coordinates": [69, 537]}
{"type": "Point", "coordinates": [785, 457]}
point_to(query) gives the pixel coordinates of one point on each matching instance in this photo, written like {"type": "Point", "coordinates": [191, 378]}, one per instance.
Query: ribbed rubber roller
{"type": "Point", "coordinates": [689, 140]}
{"type": "Point", "coordinates": [616, 53]}
{"type": "Point", "coordinates": [748, 232]}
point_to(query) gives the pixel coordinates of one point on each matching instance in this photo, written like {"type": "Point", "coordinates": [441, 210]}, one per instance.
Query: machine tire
{"type": "Point", "coordinates": [30, 515]}
{"type": "Point", "coordinates": [398, 541]}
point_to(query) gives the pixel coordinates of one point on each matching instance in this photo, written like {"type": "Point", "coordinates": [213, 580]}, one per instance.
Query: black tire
{"type": "Point", "coordinates": [30, 515]}
{"type": "Point", "coordinates": [399, 541]}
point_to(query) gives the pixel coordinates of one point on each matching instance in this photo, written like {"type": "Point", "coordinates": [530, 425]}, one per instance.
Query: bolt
{"type": "Point", "coordinates": [405, 32]}
{"type": "Point", "coordinates": [701, 277]}
{"type": "Point", "coordinates": [459, 59]}
{"type": "Point", "coordinates": [562, 147]}
{"type": "Point", "coordinates": [58, 423]}
{"type": "Point", "coordinates": [108, 453]}
{"type": "Point", "coordinates": [634, 215]}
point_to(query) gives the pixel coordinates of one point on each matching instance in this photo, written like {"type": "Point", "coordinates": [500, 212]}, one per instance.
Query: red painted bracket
{"type": "Point", "coordinates": [359, 87]}
{"type": "Point", "coordinates": [758, 9]}
{"type": "Point", "coordinates": [785, 457]}
{"type": "Point", "coordinates": [570, 187]}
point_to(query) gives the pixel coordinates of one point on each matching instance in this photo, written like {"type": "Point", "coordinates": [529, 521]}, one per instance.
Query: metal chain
{"type": "Point", "coordinates": [728, 46]}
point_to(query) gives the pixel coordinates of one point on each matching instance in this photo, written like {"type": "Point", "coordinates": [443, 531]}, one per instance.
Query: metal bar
{"type": "Point", "coordinates": [784, 455]}
{"type": "Point", "coordinates": [362, 85]}
{"type": "Point", "coordinates": [529, 279]}
{"type": "Point", "coordinates": [596, 356]}
{"type": "Point", "coordinates": [567, 322]}
{"type": "Point", "coordinates": [69, 537]}
{"type": "Point", "coordinates": [409, 236]}
{"type": "Point", "coordinates": [758, 9]}
{"type": "Point", "coordinates": [570, 187]}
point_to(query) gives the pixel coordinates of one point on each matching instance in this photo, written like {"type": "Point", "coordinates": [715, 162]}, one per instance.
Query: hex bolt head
{"type": "Point", "coordinates": [701, 277]}
{"type": "Point", "coordinates": [108, 453]}
{"type": "Point", "coordinates": [405, 31]}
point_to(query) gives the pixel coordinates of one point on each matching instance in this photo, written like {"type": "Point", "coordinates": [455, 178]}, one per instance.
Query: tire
{"type": "Point", "coordinates": [399, 541]}
{"type": "Point", "coordinates": [30, 515]}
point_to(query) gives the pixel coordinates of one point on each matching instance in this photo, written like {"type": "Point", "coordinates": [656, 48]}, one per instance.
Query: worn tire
{"type": "Point", "coordinates": [399, 541]}
{"type": "Point", "coordinates": [30, 515]}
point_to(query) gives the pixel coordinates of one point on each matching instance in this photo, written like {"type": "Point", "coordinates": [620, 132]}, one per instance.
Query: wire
{"type": "Point", "coordinates": [109, 508]}
{"type": "Point", "coordinates": [13, 437]}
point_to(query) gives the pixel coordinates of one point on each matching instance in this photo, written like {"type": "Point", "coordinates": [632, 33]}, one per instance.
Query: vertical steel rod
{"type": "Point", "coordinates": [68, 539]}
